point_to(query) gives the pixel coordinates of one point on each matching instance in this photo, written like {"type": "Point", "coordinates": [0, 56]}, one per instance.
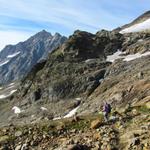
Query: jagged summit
{"type": "Point", "coordinates": [42, 35]}
{"type": "Point", "coordinates": [57, 34]}
{"type": "Point", "coordinates": [17, 60]}
{"type": "Point", "coordinates": [43, 32]}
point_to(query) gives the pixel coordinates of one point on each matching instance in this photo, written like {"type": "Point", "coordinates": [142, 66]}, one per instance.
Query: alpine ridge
{"type": "Point", "coordinates": [17, 60]}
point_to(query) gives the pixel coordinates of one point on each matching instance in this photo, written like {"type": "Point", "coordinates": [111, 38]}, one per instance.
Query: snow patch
{"type": "Point", "coordinates": [145, 25]}
{"type": "Point", "coordinates": [13, 55]}
{"type": "Point", "coordinates": [71, 113]}
{"type": "Point", "coordinates": [88, 60]}
{"type": "Point", "coordinates": [13, 91]}
{"type": "Point", "coordinates": [78, 98]}
{"type": "Point", "coordinates": [3, 63]}
{"type": "Point", "coordinates": [135, 56]}
{"type": "Point", "coordinates": [16, 110]}
{"type": "Point", "coordinates": [11, 84]}
{"type": "Point", "coordinates": [57, 118]}
{"type": "Point", "coordinates": [117, 55]}
{"type": "Point", "coordinates": [2, 96]}
{"type": "Point", "coordinates": [113, 57]}
{"type": "Point", "coordinates": [140, 40]}
{"type": "Point", "coordinates": [43, 109]}
{"type": "Point", "coordinates": [10, 93]}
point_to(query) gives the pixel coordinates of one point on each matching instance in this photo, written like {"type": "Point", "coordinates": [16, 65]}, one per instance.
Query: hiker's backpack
{"type": "Point", "coordinates": [109, 108]}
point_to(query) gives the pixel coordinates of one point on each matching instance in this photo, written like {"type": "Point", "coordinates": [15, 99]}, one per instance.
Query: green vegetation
{"type": "Point", "coordinates": [57, 53]}
{"type": "Point", "coordinates": [82, 124]}
{"type": "Point", "coordinates": [143, 109]}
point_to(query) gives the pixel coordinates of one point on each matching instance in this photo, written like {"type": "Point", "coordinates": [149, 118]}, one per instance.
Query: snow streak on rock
{"type": "Point", "coordinates": [71, 113]}
{"type": "Point", "coordinates": [13, 55]}
{"type": "Point", "coordinates": [117, 55]}
{"type": "Point", "coordinates": [43, 109]}
{"type": "Point", "coordinates": [3, 63]}
{"type": "Point", "coordinates": [7, 95]}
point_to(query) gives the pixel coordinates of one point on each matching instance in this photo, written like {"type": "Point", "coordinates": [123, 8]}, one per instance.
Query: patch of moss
{"type": "Point", "coordinates": [143, 109]}
{"type": "Point", "coordinates": [79, 125]}
{"type": "Point", "coordinates": [57, 53]}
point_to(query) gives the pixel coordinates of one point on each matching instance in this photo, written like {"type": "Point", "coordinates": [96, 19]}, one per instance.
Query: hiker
{"type": "Point", "coordinates": [107, 111]}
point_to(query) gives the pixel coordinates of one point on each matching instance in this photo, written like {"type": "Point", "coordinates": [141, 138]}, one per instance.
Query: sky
{"type": "Point", "coordinates": [19, 19]}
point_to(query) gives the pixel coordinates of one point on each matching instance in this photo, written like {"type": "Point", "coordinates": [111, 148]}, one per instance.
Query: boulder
{"type": "Point", "coordinates": [18, 133]}
{"type": "Point", "coordinates": [96, 123]}
{"type": "Point", "coordinates": [18, 147]}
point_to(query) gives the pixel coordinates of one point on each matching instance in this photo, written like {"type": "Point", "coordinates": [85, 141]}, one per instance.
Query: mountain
{"type": "Point", "coordinates": [60, 100]}
{"type": "Point", "coordinates": [142, 23]}
{"type": "Point", "coordinates": [85, 70]}
{"type": "Point", "coordinates": [17, 60]}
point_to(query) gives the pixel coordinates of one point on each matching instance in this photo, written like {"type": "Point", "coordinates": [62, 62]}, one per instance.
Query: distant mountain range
{"type": "Point", "coordinates": [17, 60]}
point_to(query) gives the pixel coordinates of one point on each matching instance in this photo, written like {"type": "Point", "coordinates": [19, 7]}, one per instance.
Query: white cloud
{"type": "Point", "coordinates": [68, 15]}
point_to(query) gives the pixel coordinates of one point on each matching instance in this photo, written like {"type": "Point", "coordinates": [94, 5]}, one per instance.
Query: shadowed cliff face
{"type": "Point", "coordinates": [82, 45]}
{"type": "Point", "coordinates": [17, 60]}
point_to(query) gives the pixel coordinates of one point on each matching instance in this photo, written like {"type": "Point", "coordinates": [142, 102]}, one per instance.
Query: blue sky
{"type": "Point", "coordinates": [19, 19]}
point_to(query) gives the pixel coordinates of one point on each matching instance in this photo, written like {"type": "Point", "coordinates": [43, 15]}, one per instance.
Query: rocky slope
{"type": "Point", "coordinates": [80, 73]}
{"type": "Point", "coordinates": [17, 60]}
{"type": "Point", "coordinates": [74, 70]}
{"type": "Point", "coordinates": [128, 131]}
{"type": "Point", "coordinates": [75, 80]}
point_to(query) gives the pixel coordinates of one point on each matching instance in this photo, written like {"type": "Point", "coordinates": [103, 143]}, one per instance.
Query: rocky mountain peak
{"type": "Point", "coordinates": [57, 34]}
{"type": "Point", "coordinates": [42, 35]}
{"type": "Point", "coordinates": [23, 56]}
{"type": "Point", "coordinates": [44, 32]}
